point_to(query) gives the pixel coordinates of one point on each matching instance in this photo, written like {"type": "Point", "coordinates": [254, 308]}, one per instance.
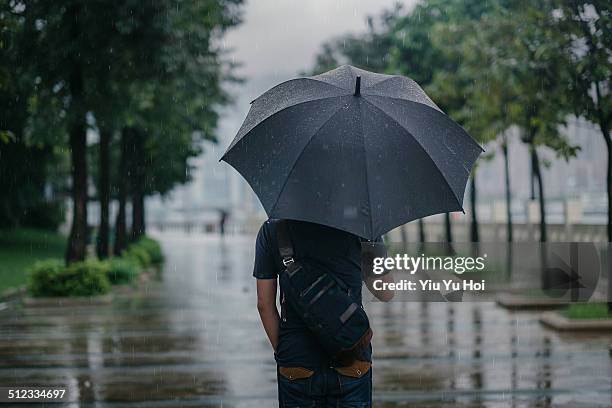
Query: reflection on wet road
{"type": "Point", "coordinates": [193, 339]}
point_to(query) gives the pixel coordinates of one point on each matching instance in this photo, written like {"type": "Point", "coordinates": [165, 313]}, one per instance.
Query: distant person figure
{"type": "Point", "coordinates": [307, 376]}
{"type": "Point", "coordinates": [222, 220]}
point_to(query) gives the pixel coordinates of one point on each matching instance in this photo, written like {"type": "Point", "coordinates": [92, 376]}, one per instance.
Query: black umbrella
{"type": "Point", "coordinates": [354, 150]}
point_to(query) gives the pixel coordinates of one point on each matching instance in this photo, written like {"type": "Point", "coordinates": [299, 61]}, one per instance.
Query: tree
{"type": "Point", "coordinates": [429, 43]}
{"type": "Point", "coordinates": [122, 192]}
{"type": "Point", "coordinates": [135, 33]}
{"type": "Point", "coordinates": [480, 89]}
{"type": "Point", "coordinates": [99, 65]}
{"type": "Point", "coordinates": [167, 83]}
{"type": "Point", "coordinates": [180, 109]}
{"type": "Point", "coordinates": [585, 31]}
{"type": "Point", "coordinates": [64, 48]}
{"type": "Point", "coordinates": [24, 202]}
{"type": "Point", "coordinates": [533, 67]}
{"type": "Point", "coordinates": [463, 88]}
{"type": "Point", "coordinates": [522, 83]}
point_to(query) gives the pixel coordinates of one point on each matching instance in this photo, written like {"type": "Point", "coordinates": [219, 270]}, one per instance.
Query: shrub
{"type": "Point", "coordinates": [121, 271]}
{"type": "Point", "coordinates": [52, 278]}
{"type": "Point", "coordinates": [153, 249]}
{"type": "Point", "coordinates": [588, 311]}
{"type": "Point", "coordinates": [138, 254]}
{"type": "Point", "coordinates": [44, 278]}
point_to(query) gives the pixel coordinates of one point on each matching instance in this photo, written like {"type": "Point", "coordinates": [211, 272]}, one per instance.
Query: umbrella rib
{"type": "Point", "coordinates": [421, 146]}
{"type": "Point", "coordinates": [314, 134]}
{"type": "Point", "coordinates": [235, 142]}
{"type": "Point", "coordinates": [432, 108]}
{"type": "Point", "coordinates": [327, 83]}
{"type": "Point", "coordinates": [295, 80]}
{"type": "Point", "coordinates": [395, 98]}
{"type": "Point", "coordinates": [383, 81]}
{"type": "Point", "coordinates": [365, 158]}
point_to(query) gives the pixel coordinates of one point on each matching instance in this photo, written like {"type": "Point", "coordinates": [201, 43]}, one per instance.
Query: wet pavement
{"type": "Point", "coordinates": [193, 339]}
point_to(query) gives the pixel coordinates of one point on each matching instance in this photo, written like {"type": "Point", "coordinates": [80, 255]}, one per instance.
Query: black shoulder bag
{"type": "Point", "coordinates": [322, 300]}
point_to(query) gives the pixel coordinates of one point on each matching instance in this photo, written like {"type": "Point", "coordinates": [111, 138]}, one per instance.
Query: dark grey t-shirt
{"type": "Point", "coordinates": [333, 250]}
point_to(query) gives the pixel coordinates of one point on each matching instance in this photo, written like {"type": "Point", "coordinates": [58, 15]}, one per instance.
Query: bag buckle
{"type": "Point", "coordinates": [288, 261]}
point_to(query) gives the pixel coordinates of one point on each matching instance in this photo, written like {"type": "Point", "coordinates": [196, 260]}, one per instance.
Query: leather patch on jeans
{"type": "Point", "coordinates": [295, 373]}
{"type": "Point", "coordinates": [355, 370]}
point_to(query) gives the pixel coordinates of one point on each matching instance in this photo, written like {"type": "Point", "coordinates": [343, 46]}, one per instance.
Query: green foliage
{"type": "Point", "coordinates": [152, 248]}
{"type": "Point", "coordinates": [160, 63]}
{"type": "Point", "coordinates": [32, 241]}
{"type": "Point", "coordinates": [44, 278]}
{"type": "Point", "coordinates": [170, 97]}
{"type": "Point", "coordinates": [489, 65]}
{"type": "Point", "coordinates": [25, 171]}
{"type": "Point", "coordinates": [588, 311]}
{"type": "Point", "coordinates": [369, 50]}
{"type": "Point", "coordinates": [137, 254]}
{"type": "Point", "coordinates": [137, 257]}
{"type": "Point", "coordinates": [6, 136]}
{"type": "Point", "coordinates": [52, 278]}
{"type": "Point", "coordinates": [21, 248]}
{"type": "Point", "coordinates": [583, 33]}
{"type": "Point", "coordinates": [122, 270]}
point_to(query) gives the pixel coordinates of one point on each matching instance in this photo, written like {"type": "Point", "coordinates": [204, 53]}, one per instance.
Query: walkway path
{"type": "Point", "coordinates": [194, 340]}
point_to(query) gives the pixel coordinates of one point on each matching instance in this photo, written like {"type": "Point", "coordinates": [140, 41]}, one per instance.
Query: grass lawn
{"type": "Point", "coordinates": [588, 311]}
{"type": "Point", "coordinates": [20, 248]}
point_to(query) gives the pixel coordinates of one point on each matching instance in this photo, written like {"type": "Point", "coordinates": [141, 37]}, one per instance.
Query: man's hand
{"type": "Point", "coordinates": [383, 295]}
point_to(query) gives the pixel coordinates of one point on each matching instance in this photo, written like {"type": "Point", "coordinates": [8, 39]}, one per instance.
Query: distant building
{"type": "Point", "coordinates": [582, 178]}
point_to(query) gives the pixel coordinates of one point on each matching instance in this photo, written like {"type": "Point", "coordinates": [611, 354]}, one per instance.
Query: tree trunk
{"type": "Point", "coordinates": [120, 222]}
{"type": "Point", "coordinates": [508, 192]}
{"type": "Point", "coordinates": [606, 134]}
{"type": "Point", "coordinates": [532, 180]}
{"type": "Point", "coordinates": [448, 227]}
{"type": "Point", "coordinates": [138, 184]}
{"type": "Point", "coordinates": [538, 176]}
{"type": "Point", "coordinates": [104, 193]}
{"type": "Point", "coordinates": [77, 241]}
{"type": "Point", "coordinates": [138, 215]}
{"type": "Point", "coordinates": [403, 234]}
{"type": "Point", "coordinates": [421, 230]}
{"type": "Point", "coordinates": [474, 224]}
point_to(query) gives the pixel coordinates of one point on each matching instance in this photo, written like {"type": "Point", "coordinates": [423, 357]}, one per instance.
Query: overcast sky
{"type": "Point", "coordinates": [283, 36]}
{"type": "Point", "coordinates": [279, 38]}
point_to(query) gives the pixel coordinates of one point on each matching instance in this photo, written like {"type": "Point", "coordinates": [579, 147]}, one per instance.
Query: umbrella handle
{"type": "Point", "coordinates": [357, 86]}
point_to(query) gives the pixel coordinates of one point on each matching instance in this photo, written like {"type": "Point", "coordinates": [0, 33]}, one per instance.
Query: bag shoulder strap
{"type": "Point", "coordinates": [285, 246]}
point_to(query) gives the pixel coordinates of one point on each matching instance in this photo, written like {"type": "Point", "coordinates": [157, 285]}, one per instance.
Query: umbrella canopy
{"type": "Point", "coordinates": [352, 149]}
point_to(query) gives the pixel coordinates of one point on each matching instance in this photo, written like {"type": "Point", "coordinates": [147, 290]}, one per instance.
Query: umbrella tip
{"type": "Point", "coordinates": [357, 86]}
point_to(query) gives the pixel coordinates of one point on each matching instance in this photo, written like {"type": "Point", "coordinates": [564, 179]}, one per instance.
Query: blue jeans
{"type": "Point", "coordinates": [326, 388]}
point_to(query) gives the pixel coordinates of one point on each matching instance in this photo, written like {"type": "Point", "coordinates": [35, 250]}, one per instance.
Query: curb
{"type": "Point", "coordinates": [12, 293]}
{"type": "Point", "coordinates": [20, 293]}
{"type": "Point", "coordinates": [516, 302]}
{"type": "Point", "coordinates": [559, 322]}
{"type": "Point", "coordinates": [68, 301]}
